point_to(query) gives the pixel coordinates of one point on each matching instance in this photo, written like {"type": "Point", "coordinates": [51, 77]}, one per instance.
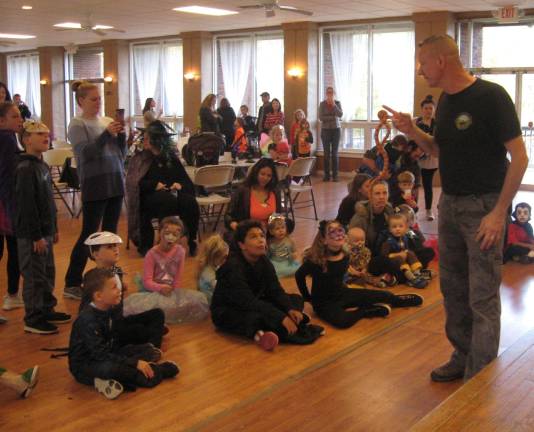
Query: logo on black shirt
{"type": "Point", "coordinates": [463, 121]}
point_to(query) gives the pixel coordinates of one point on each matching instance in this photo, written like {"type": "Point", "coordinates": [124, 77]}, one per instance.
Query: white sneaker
{"type": "Point", "coordinates": [12, 302]}
{"type": "Point", "coordinates": [429, 215]}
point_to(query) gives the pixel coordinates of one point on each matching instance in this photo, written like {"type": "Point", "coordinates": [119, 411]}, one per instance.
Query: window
{"type": "Point", "coordinates": [23, 78]}
{"type": "Point", "coordinates": [85, 64]}
{"type": "Point", "coordinates": [157, 72]}
{"type": "Point", "coordinates": [496, 53]}
{"type": "Point", "coordinates": [248, 65]}
{"type": "Point", "coordinates": [368, 66]}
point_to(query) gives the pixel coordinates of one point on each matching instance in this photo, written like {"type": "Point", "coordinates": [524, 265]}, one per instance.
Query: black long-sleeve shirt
{"type": "Point", "coordinates": [246, 287]}
{"type": "Point", "coordinates": [326, 286]}
{"type": "Point", "coordinates": [166, 171]}
{"type": "Point", "coordinates": [35, 210]}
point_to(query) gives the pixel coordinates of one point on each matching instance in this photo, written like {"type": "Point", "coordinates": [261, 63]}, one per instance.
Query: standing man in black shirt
{"type": "Point", "coordinates": [476, 125]}
{"type": "Point", "coordinates": [265, 109]}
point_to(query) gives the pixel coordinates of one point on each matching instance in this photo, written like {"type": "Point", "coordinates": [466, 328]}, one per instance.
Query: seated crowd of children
{"type": "Point", "coordinates": [115, 343]}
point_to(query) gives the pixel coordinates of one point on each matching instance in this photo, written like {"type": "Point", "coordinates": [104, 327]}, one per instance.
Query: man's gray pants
{"type": "Point", "coordinates": [470, 280]}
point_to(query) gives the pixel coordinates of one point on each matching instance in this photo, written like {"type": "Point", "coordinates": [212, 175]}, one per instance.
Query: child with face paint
{"type": "Point", "coordinates": [520, 241]}
{"type": "Point", "coordinates": [327, 262]}
{"type": "Point", "coordinates": [162, 280]}
{"type": "Point", "coordinates": [281, 248]}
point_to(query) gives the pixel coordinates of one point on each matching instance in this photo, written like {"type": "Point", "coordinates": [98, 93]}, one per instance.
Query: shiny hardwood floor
{"type": "Point", "coordinates": [373, 376]}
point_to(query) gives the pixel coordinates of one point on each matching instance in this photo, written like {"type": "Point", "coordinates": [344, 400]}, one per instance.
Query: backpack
{"type": "Point", "coordinates": [203, 149]}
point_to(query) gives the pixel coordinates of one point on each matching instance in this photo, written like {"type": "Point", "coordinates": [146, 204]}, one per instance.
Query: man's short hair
{"type": "Point", "coordinates": [442, 44]}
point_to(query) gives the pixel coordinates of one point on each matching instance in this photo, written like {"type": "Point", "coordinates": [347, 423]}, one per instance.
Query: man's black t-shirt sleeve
{"type": "Point", "coordinates": [506, 122]}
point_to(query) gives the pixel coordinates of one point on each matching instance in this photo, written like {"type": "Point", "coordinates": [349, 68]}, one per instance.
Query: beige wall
{"type": "Point", "coordinates": [3, 68]}
{"type": "Point", "coordinates": [116, 66]}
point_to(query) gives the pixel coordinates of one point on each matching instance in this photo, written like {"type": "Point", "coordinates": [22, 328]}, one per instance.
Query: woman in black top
{"type": "Point", "coordinates": [210, 120]}
{"type": "Point", "coordinates": [165, 189]}
{"type": "Point", "coordinates": [227, 114]}
{"type": "Point", "coordinates": [327, 262]}
{"type": "Point", "coordinates": [358, 191]}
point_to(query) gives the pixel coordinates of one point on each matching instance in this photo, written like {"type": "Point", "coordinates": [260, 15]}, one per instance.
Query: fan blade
{"type": "Point", "coordinates": [269, 13]}
{"type": "Point", "coordinates": [66, 29]}
{"type": "Point", "coordinates": [115, 30]}
{"type": "Point", "coordinates": [258, 6]}
{"type": "Point", "coordinates": [99, 32]}
{"type": "Point", "coordinates": [292, 9]}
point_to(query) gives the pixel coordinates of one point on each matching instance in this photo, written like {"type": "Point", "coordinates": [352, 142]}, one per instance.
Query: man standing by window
{"type": "Point", "coordinates": [23, 108]}
{"type": "Point", "coordinates": [262, 113]}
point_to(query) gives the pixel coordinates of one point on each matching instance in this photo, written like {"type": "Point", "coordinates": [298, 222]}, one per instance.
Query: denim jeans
{"type": "Point", "coordinates": [97, 216]}
{"type": "Point", "coordinates": [330, 139]}
{"type": "Point", "coordinates": [470, 280]}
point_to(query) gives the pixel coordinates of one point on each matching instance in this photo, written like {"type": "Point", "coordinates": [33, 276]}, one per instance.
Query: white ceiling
{"type": "Point", "coordinates": [149, 18]}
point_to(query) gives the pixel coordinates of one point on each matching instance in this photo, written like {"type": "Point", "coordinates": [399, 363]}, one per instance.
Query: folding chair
{"type": "Point", "coordinates": [55, 159]}
{"type": "Point", "coordinates": [301, 167]}
{"type": "Point", "coordinates": [210, 177]}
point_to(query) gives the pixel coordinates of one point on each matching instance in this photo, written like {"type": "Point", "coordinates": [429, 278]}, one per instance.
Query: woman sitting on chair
{"type": "Point", "coordinates": [258, 197]}
{"type": "Point", "coordinates": [158, 186]}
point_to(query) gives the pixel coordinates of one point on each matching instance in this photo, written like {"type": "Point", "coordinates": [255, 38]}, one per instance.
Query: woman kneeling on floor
{"type": "Point", "coordinates": [327, 262]}
{"type": "Point", "coordinates": [248, 299]}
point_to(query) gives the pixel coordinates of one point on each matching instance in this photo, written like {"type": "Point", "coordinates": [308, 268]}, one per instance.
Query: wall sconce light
{"type": "Point", "coordinates": [43, 82]}
{"type": "Point", "coordinates": [190, 76]}
{"type": "Point", "coordinates": [108, 79]}
{"type": "Point", "coordinates": [294, 72]}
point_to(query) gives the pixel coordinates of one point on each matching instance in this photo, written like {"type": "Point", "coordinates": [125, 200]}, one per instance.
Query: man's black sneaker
{"type": "Point", "coordinates": [168, 369]}
{"type": "Point", "coordinates": [407, 300]}
{"type": "Point", "coordinates": [41, 327]}
{"type": "Point", "coordinates": [377, 311]}
{"type": "Point", "coordinates": [449, 371]}
{"type": "Point", "coordinates": [58, 318]}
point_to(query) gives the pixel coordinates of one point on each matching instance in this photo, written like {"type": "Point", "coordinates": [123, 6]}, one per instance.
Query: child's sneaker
{"type": "Point", "coordinates": [30, 378]}
{"type": "Point", "coordinates": [41, 327]}
{"type": "Point", "coordinates": [168, 369]}
{"type": "Point", "coordinates": [407, 300]}
{"type": "Point", "coordinates": [266, 340]}
{"type": "Point", "coordinates": [428, 274]}
{"type": "Point", "coordinates": [389, 280]}
{"type": "Point", "coordinates": [378, 310]}
{"type": "Point", "coordinates": [12, 302]}
{"type": "Point", "coordinates": [111, 389]}
{"type": "Point", "coordinates": [73, 292]}
{"type": "Point", "coordinates": [418, 282]}
{"type": "Point", "coordinates": [3, 320]}
{"type": "Point", "coordinates": [58, 318]}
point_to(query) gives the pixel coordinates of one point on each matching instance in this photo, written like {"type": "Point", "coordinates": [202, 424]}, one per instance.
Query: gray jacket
{"type": "Point", "coordinates": [330, 118]}
{"type": "Point", "coordinates": [363, 218]}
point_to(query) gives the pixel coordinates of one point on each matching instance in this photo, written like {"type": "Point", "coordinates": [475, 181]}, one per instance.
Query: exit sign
{"type": "Point", "coordinates": [508, 14]}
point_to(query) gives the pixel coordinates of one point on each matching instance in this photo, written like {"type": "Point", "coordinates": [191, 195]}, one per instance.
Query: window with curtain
{"type": "Point", "coordinates": [23, 78]}
{"type": "Point", "coordinates": [368, 66]}
{"type": "Point", "coordinates": [157, 72]}
{"type": "Point", "coordinates": [85, 64]}
{"type": "Point", "coordinates": [248, 65]}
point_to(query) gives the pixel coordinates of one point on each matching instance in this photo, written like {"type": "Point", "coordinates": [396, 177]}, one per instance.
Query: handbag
{"type": "Point", "coordinates": [69, 174]}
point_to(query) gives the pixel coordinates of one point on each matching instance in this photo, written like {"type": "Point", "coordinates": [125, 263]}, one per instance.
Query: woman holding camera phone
{"type": "Point", "coordinates": [99, 145]}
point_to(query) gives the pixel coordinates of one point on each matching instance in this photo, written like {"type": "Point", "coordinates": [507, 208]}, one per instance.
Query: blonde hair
{"type": "Point", "coordinates": [275, 128]}
{"type": "Point", "coordinates": [211, 250]}
{"type": "Point", "coordinates": [299, 111]}
{"type": "Point", "coordinates": [406, 177]}
{"type": "Point", "coordinates": [82, 88]}
{"type": "Point", "coordinates": [316, 253]}
{"type": "Point", "coordinates": [206, 103]}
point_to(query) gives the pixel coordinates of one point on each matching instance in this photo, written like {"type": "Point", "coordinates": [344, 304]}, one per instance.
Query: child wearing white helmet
{"type": "Point", "coordinates": [139, 329]}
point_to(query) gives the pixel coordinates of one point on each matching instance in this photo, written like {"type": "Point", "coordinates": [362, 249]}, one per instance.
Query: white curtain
{"type": "Point", "coordinates": [146, 59]}
{"type": "Point", "coordinates": [345, 68]}
{"type": "Point", "coordinates": [235, 61]}
{"type": "Point", "coordinates": [172, 74]}
{"type": "Point", "coordinates": [270, 68]}
{"type": "Point", "coordinates": [23, 78]}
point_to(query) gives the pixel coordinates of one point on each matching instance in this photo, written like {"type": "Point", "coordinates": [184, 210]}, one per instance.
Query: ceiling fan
{"type": "Point", "coordinates": [273, 5]}
{"type": "Point", "coordinates": [87, 26]}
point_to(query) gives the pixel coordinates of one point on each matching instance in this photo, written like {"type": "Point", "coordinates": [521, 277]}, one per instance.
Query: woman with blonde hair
{"type": "Point", "coordinates": [99, 145]}
{"type": "Point", "coordinates": [210, 120]}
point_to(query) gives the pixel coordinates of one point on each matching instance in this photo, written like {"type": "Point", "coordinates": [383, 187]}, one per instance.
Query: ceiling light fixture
{"type": "Point", "coordinates": [108, 79]}
{"type": "Point", "coordinates": [69, 25]}
{"type": "Point", "coordinates": [15, 36]}
{"type": "Point", "coordinates": [202, 10]}
{"type": "Point", "coordinates": [101, 27]}
{"type": "Point", "coordinates": [27, 7]}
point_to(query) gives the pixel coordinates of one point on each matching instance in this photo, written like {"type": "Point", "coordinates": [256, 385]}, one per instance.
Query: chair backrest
{"type": "Point", "coordinates": [56, 157]}
{"type": "Point", "coordinates": [301, 167]}
{"type": "Point", "coordinates": [281, 171]}
{"type": "Point", "coordinates": [214, 175]}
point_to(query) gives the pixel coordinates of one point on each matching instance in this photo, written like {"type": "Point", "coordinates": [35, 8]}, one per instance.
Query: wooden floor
{"type": "Point", "coordinates": [374, 376]}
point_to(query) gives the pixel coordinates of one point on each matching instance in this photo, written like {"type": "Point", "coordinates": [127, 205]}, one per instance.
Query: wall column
{"type": "Point", "coordinates": [3, 68]}
{"type": "Point", "coordinates": [428, 24]}
{"type": "Point", "coordinates": [52, 69]}
{"type": "Point", "coordinates": [197, 60]}
{"type": "Point", "coordinates": [117, 66]}
{"type": "Point", "coordinates": [301, 51]}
